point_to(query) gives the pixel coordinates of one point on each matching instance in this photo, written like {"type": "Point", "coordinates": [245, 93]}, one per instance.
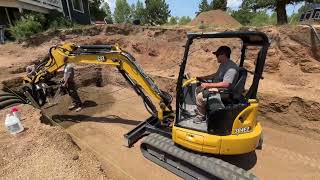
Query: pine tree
{"type": "Point", "coordinates": [139, 13]}
{"type": "Point", "coordinates": [122, 11]}
{"type": "Point", "coordinates": [218, 4]}
{"type": "Point", "coordinates": [278, 5]}
{"type": "Point", "coordinates": [173, 20]}
{"type": "Point", "coordinates": [184, 20]}
{"type": "Point", "coordinates": [106, 9]}
{"type": "Point", "coordinates": [95, 12]}
{"type": "Point", "coordinates": [156, 12]}
{"type": "Point", "coordinates": [203, 7]}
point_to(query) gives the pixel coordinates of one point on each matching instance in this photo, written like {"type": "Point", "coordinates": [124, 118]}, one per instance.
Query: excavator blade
{"type": "Point", "coordinates": [187, 164]}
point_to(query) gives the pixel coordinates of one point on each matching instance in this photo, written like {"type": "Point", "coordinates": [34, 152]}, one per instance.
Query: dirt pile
{"type": "Point", "coordinates": [215, 18]}
{"type": "Point", "coordinates": [44, 152]}
{"type": "Point", "coordinates": [296, 112]}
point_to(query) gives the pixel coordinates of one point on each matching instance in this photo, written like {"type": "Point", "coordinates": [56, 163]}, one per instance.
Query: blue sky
{"type": "Point", "coordinates": [190, 7]}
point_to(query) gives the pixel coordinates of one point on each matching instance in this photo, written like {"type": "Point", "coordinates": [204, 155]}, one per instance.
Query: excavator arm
{"type": "Point", "coordinates": [39, 83]}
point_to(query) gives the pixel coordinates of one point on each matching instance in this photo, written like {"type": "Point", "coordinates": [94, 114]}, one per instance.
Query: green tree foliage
{"type": "Point", "coordinates": [173, 20]}
{"type": "Point", "coordinates": [203, 7]}
{"type": "Point", "coordinates": [139, 12]}
{"type": "Point", "coordinates": [243, 16]}
{"type": "Point", "coordinates": [218, 4]}
{"type": "Point", "coordinates": [278, 5]}
{"type": "Point", "coordinates": [122, 11]}
{"type": "Point", "coordinates": [55, 20]}
{"type": "Point", "coordinates": [184, 20]}
{"type": "Point", "coordinates": [156, 12]}
{"type": "Point", "coordinates": [273, 19]}
{"type": "Point", "coordinates": [260, 18]}
{"type": "Point", "coordinates": [132, 11]}
{"type": "Point", "coordinates": [28, 25]}
{"type": "Point", "coordinates": [249, 4]}
{"type": "Point", "coordinates": [108, 15]}
{"type": "Point", "coordinates": [95, 12]}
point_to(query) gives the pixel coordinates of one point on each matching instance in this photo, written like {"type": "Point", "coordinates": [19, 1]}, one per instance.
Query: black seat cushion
{"type": "Point", "coordinates": [220, 122]}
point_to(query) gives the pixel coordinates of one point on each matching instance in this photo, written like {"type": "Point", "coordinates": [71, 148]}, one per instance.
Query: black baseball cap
{"type": "Point", "coordinates": [223, 50]}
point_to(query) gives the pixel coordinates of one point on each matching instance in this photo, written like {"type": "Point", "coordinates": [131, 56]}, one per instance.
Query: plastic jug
{"type": "Point", "coordinates": [16, 113]}
{"type": "Point", "coordinates": [13, 124]}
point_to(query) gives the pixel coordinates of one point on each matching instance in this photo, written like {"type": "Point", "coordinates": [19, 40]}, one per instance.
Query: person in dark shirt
{"type": "Point", "coordinates": [225, 77]}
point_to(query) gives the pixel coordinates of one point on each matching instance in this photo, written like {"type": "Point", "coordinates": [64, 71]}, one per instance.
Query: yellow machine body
{"type": "Point", "coordinates": [244, 138]}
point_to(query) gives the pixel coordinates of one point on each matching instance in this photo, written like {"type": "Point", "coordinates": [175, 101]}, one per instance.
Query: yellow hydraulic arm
{"type": "Point", "coordinates": [158, 101]}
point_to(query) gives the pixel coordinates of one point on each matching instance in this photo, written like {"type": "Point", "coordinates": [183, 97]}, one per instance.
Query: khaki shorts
{"type": "Point", "coordinates": [201, 101]}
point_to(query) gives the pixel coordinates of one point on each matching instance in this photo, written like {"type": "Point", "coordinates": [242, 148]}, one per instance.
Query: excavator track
{"type": "Point", "coordinates": [162, 151]}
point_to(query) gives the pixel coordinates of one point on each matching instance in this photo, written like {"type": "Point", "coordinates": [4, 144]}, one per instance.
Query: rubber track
{"type": "Point", "coordinates": [189, 165]}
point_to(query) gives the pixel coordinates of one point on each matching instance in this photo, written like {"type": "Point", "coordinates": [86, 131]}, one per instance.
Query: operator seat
{"type": "Point", "coordinates": [220, 121]}
{"type": "Point", "coordinates": [238, 89]}
{"type": "Point", "coordinates": [234, 95]}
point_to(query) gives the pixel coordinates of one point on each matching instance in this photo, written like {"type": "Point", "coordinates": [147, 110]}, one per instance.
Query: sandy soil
{"type": "Point", "coordinates": [44, 152]}
{"type": "Point", "coordinates": [284, 154]}
{"type": "Point", "coordinates": [288, 97]}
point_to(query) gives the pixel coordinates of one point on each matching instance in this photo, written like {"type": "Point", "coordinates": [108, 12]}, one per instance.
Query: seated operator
{"type": "Point", "coordinates": [225, 77]}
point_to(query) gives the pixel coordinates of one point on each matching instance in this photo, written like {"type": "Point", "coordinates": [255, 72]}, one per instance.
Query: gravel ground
{"type": "Point", "coordinates": [43, 152]}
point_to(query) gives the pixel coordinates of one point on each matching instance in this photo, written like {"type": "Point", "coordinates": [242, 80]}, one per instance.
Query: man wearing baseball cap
{"type": "Point", "coordinates": [225, 77]}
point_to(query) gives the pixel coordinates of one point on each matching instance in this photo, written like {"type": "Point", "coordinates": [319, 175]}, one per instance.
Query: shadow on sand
{"type": "Point", "coordinates": [245, 161]}
{"type": "Point", "coordinates": [85, 118]}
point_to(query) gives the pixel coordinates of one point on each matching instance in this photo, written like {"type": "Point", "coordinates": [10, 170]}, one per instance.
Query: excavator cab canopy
{"type": "Point", "coordinates": [237, 98]}
{"type": "Point", "coordinates": [258, 39]}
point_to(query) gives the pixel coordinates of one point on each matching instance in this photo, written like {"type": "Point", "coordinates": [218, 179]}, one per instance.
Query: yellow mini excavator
{"type": "Point", "coordinates": [174, 141]}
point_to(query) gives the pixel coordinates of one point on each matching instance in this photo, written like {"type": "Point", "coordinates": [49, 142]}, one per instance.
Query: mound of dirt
{"type": "Point", "coordinates": [291, 113]}
{"type": "Point", "coordinates": [44, 152]}
{"type": "Point", "coordinates": [215, 18]}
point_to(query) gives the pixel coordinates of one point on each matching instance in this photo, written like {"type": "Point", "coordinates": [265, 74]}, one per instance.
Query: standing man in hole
{"type": "Point", "coordinates": [70, 85]}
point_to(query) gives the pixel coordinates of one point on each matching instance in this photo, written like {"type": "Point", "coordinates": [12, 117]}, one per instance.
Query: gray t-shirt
{"type": "Point", "coordinates": [68, 73]}
{"type": "Point", "coordinates": [227, 72]}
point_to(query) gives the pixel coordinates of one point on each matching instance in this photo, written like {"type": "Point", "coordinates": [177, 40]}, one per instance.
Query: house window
{"type": "Point", "coordinates": [308, 15]}
{"type": "Point", "coordinates": [317, 15]}
{"type": "Point", "coordinates": [77, 5]}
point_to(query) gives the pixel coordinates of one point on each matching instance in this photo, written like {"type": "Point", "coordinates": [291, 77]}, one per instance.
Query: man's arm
{"type": "Point", "coordinates": [66, 76]}
{"type": "Point", "coordinates": [227, 80]}
{"type": "Point", "coordinates": [208, 77]}
{"type": "Point", "coordinates": [215, 85]}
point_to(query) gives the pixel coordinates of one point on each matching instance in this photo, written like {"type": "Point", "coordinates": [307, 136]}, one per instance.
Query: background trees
{"type": "Point", "coordinates": [95, 12]}
{"type": "Point", "coordinates": [122, 11]}
{"type": "Point", "coordinates": [214, 5]}
{"type": "Point", "coordinates": [218, 4]}
{"type": "Point", "coordinates": [108, 15]}
{"type": "Point", "coordinates": [156, 12]}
